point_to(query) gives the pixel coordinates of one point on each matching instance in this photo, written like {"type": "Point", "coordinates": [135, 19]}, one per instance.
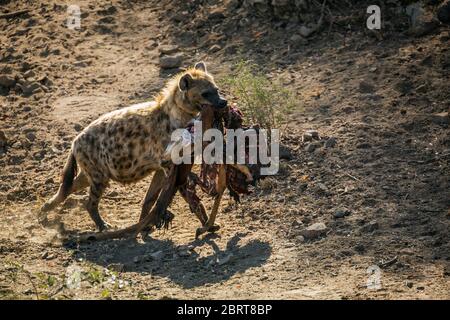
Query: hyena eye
{"type": "Point", "coordinates": [206, 94]}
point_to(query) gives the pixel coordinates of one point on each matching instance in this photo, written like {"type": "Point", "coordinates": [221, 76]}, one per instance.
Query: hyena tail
{"type": "Point", "coordinates": [66, 187]}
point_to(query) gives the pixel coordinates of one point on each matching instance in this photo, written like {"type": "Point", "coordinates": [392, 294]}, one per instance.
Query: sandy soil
{"type": "Point", "coordinates": [382, 191]}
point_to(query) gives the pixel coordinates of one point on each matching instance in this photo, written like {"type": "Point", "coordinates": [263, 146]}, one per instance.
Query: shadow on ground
{"type": "Point", "coordinates": [183, 265]}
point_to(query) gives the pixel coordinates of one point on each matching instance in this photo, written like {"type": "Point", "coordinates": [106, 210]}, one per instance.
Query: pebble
{"type": "Point", "coordinates": [285, 153]}
{"type": "Point", "coordinates": [440, 118]}
{"type": "Point", "coordinates": [31, 136]}
{"type": "Point", "coordinates": [167, 49]}
{"type": "Point", "coordinates": [158, 255]}
{"type": "Point", "coordinates": [314, 231]}
{"type": "Point", "coordinates": [312, 146]}
{"type": "Point", "coordinates": [169, 62]}
{"type": "Point", "coordinates": [366, 87]}
{"type": "Point", "coordinates": [330, 143]}
{"type": "Point", "coordinates": [370, 227]}
{"type": "Point", "coordinates": [309, 135]}
{"type": "Point", "coordinates": [225, 259]}
{"type": "Point", "coordinates": [7, 81]}
{"type": "Point", "coordinates": [3, 140]}
{"type": "Point", "coordinates": [340, 213]}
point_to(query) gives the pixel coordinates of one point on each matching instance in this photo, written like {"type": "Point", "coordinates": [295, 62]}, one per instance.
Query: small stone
{"type": "Point", "coordinates": [225, 259]}
{"type": "Point", "coordinates": [117, 267]}
{"type": "Point", "coordinates": [215, 48]}
{"type": "Point", "coordinates": [366, 87]}
{"type": "Point", "coordinates": [3, 140]}
{"type": "Point", "coordinates": [78, 127]}
{"type": "Point", "coordinates": [30, 88]}
{"type": "Point", "coordinates": [285, 153]}
{"type": "Point", "coordinates": [167, 49]}
{"type": "Point", "coordinates": [370, 227]}
{"type": "Point", "coordinates": [409, 284]}
{"type": "Point", "coordinates": [421, 288]}
{"type": "Point", "coordinates": [313, 146]}
{"type": "Point", "coordinates": [184, 253]}
{"type": "Point", "coordinates": [330, 143]}
{"type": "Point", "coordinates": [443, 12]}
{"type": "Point", "coordinates": [31, 136]}
{"type": "Point", "coordinates": [340, 213]}
{"type": "Point", "coordinates": [29, 74]}
{"type": "Point", "coordinates": [301, 239]}
{"type": "Point", "coordinates": [310, 135]}
{"type": "Point", "coordinates": [169, 62]}
{"type": "Point", "coordinates": [360, 248]}
{"type": "Point", "coordinates": [7, 81]}
{"type": "Point", "coordinates": [314, 231]}
{"type": "Point", "coordinates": [440, 118]}
{"type": "Point", "coordinates": [364, 145]}
{"type": "Point", "coordinates": [158, 255]}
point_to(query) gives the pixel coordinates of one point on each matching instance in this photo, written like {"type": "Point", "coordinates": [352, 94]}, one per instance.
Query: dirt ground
{"type": "Point", "coordinates": [382, 190]}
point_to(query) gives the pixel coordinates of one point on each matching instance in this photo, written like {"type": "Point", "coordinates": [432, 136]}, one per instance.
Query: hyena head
{"type": "Point", "coordinates": [199, 90]}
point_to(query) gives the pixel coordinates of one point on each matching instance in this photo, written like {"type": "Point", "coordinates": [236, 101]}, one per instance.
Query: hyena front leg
{"type": "Point", "coordinates": [95, 193]}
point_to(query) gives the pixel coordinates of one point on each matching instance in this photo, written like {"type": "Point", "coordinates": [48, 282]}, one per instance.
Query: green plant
{"type": "Point", "coordinates": [263, 101]}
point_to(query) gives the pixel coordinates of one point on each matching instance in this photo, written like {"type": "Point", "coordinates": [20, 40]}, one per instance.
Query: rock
{"type": "Point", "coordinates": [158, 255]}
{"type": "Point", "coordinates": [29, 74]}
{"type": "Point", "coordinates": [313, 146]}
{"type": "Point", "coordinates": [363, 145]}
{"type": "Point", "coordinates": [341, 213]}
{"type": "Point", "coordinates": [30, 88]}
{"type": "Point", "coordinates": [3, 140]}
{"type": "Point", "coordinates": [443, 12]}
{"type": "Point", "coordinates": [330, 143]}
{"type": "Point", "coordinates": [169, 62]}
{"type": "Point", "coordinates": [314, 231]}
{"type": "Point", "coordinates": [310, 135]}
{"type": "Point", "coordinates": [440, 118]}
{"type": "Point", "coordinates": [360, 248]}
{"type": "Point", "coordinates": [447, 270]}
{"type": "Point", "coordinates": [421, 288]}
{"type": "Point", "coordinates": [285, 153]}
{"type": "Point", "coordinates": [301, 239]}
{"type": "Point", "coordinates": [117, 267]}
{"type": "Point", "coordinates": [370, 227]}
{"type": "Point", "coordinates": [366, 87]}
{"type": "Point", "coordinates": [30, 136]}
{"type": "Point", "coordinates": [167, 49]}
{"type": "Point", "coordinates": [409, 284]}
{"type": "Point", "coordinates": [7, 81]}
{"type": "Point", "coordinates": [183, 253]}
{"type": "Point", "coordinates": [214, 48]}
{"type": "Point", "coordinates": [225, 259]}
{"type": "Point", "coordinates": [78, 127]}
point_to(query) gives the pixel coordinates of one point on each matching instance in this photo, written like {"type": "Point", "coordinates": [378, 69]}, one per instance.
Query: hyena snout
{"type": "Point", "coordinates": [221, 103]}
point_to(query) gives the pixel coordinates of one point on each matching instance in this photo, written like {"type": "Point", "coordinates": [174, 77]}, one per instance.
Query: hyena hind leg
{"type": "Point", "coordinates": [81, 182]}
{"type": "Point", "coordinates": [95, 193]}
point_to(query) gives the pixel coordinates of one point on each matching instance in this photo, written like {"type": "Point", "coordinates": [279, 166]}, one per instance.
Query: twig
{"type": "Point", "coordinates": [354, 178]}
{"type": "Point", "coordinates": [28, 273]}
{"type": "Point", "coordinates": [389, 263]}
{"type": "Point", "coordinates": [13, 14]}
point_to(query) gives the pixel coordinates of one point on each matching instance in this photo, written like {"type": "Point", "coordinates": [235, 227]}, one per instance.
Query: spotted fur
{"type": "Point", "coordinates": [128, 144]}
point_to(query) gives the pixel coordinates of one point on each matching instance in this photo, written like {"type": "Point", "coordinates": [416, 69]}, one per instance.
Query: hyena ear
{"type": "Point", "coordinates": [200, 66]}
{"type": "Point", "coordinates": [185, 82]}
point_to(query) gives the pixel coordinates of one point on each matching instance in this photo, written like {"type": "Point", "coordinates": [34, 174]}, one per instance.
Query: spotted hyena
{"type": "Point", "coordinates": [128, 144]}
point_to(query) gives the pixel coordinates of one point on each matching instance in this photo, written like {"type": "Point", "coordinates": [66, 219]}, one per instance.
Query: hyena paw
{"type": "Point", "coordinates": [105, 226]}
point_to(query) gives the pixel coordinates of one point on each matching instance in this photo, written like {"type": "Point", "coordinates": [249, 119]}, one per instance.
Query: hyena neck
{"type": "Point", "coordinates": [178, 113]}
